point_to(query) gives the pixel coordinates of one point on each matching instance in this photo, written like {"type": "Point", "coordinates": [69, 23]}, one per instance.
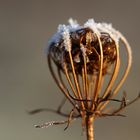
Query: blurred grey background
{"type": "Point", "coordinates": [25, 80]}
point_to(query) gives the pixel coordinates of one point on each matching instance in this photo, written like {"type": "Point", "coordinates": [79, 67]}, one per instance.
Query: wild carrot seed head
{"type": "Point", "coordinates": [84, 54]}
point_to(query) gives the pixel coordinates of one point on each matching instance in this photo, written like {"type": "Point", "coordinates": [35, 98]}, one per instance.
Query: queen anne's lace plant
{"type": "Point", "coordinates": [86, 56]}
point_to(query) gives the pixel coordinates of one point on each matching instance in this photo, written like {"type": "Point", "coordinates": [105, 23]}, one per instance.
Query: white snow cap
{"type": "Point", "coordinates": [103, 27]}
{"type": "Point", "coordinates": [63, 31]}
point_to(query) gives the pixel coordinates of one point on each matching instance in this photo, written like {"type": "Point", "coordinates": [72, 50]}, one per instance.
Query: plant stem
{"type": "Point", "coordinates": [90, 127]}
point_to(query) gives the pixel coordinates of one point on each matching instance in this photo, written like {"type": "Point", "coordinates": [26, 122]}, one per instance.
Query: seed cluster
{"type": "Point", "coordinates": [86, 40]}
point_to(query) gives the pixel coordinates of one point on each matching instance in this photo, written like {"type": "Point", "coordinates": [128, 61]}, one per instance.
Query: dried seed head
{"type": "Point", "coordinates": [83, 41]}
{"type": "Point", "coordinates": [84, 54]}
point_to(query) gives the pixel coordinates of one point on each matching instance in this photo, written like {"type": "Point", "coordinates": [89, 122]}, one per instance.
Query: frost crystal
{"type": "Point", "coordinates": [104, 27]}
{"type": "Point", "coordinates": [92, 25]}
{"type": "Point", "coordinates": [66, 38]}
{"type": "Point", "coordinates": [73, 23]}
{"type": "Point", "coordinates": [64, 31]}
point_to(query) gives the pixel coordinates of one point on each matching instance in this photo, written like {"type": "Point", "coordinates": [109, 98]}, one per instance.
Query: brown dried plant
{"type": "Point", "coordinates": [85, 56]}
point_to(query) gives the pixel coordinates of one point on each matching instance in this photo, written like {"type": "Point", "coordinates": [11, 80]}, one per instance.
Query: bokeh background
{"type": "Point", "coordinates": [25, 80]}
